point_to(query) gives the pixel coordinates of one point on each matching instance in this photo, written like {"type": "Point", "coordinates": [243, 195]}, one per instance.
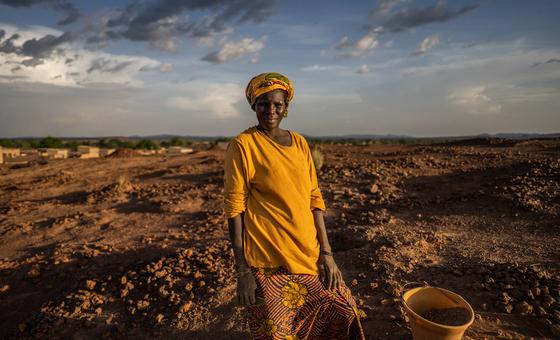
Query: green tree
{"type": "Point", "coordinates": [146, 144]}
{"type": "Point", "coordinates": [7, 143]}
{"type": "Point", "coordinates": [176, 141]}
{"type": "Point", "coordinates": [51, 142]}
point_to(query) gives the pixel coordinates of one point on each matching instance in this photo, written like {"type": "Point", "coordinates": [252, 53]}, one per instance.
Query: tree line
{"type": "Point", "coordinates": [110, 143]}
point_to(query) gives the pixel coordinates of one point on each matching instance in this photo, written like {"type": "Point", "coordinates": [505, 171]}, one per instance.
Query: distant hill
{"type": "Point", "coordinates": [516, 136]}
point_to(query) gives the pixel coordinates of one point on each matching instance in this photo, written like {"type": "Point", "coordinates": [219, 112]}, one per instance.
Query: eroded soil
{"type": "Point", "coordinates": [137, 246]}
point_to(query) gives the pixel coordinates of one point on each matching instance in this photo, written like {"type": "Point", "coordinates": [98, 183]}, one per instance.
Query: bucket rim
{"type": "Point", "coordinates": [416, 315]}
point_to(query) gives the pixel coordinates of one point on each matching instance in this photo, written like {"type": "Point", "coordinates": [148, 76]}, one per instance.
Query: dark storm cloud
{"type": "Point", "coordinates": [549, 61]}
{"type": "Point", "coordinates": [37, 49]}
{"type": "Point", "coordinates": [43, 47]}
{"type": "Point", "coordinates": [162, 22]}
{"type": "Point", "coordinates": [104, 65]}
{"type": "Point", "coordinates": [406, 18]}
{"type": "Point", "coordinates": [72, 14]}
{"type": "Point", "coordinates": [65, 7]}
{"type": "Point", "coordinates": [7, 46]}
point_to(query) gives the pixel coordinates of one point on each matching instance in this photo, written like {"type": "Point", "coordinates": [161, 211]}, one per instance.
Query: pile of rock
{"type": "Point", "coordinates": [538, 188]}
{"type": "Point", "coordinates": [525, 290]}
{"type": "Point", "coordinates": [171, 291]}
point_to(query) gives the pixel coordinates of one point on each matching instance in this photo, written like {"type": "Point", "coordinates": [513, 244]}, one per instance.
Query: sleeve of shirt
{"type": "Point", "coordinates": [236, 188]}
{"type": "Point", "coordinates": [316, 197]}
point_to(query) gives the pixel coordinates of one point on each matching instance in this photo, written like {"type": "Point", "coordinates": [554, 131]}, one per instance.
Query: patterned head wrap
{"type": "Point", "coordinates": [267, 82]}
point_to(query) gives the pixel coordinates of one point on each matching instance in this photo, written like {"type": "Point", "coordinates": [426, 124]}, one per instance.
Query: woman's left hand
{"type": "Point", "coordinates": [330, 274]}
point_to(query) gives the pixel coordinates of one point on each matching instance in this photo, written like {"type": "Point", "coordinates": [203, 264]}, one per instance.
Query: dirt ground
{"type": "Point", "coordinates": [136, 247]}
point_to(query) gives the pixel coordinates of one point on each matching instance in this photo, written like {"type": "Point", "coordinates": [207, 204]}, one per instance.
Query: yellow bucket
{"type": "Point", "coordinates": [420, 300]}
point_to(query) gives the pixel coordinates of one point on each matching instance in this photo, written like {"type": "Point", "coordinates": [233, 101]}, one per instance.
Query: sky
{"type": "Point", "coordinates": [415, 67]}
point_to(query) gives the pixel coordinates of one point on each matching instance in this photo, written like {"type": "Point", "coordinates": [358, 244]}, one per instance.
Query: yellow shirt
{"type": "Point", "coordinates": [276, 188]}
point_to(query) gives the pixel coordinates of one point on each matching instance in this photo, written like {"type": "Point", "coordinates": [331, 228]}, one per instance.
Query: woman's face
{"type": "Point", "coordinates": [270, 108]}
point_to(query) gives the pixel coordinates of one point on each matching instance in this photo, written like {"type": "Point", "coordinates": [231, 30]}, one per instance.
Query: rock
{"type": "Point", "coordinates": [4, 288]}
{"type": "Point", "coordinates": [505, 307]}
{"type": "Point", "coordinates": [90, 284]}
{"type": "Point", "coordinates": [142, 304]}
{"type": "Point", "coordinates": [33, 272]}
{"type": "Point", "coordinates": [547, 301]}
{"type": "Point", "coordinates": [540, 311]}
{"type": "Point", "coordinates": [354, 283]}
{"type": "Point", "coordinates": [504, 297]}
{"type": "Point", "coordinates": [159, 318]}
{"type": "Point", "coordinates": [523, 308]}
{"type": "Point", "coordinates": [536, 291]}
{"type": "Point", "coordinates": [186, 307]}
{"type": "Point", "coordinates": [386, 302]}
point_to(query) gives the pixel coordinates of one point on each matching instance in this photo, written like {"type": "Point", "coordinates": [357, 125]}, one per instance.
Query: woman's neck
{"type": "Point", "coordinates": [271, 132]}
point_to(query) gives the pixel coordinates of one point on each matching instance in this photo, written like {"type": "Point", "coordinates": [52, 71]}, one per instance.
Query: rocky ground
{"type": "Point", "coordinates": [137, 246]}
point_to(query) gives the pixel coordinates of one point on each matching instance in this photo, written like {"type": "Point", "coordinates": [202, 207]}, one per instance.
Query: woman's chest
{"type": "Point", "coordinates": [274, 169]}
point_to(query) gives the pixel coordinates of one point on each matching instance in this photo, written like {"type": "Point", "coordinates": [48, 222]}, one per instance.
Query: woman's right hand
{"type": "Point", "coordinates": [246, 287]}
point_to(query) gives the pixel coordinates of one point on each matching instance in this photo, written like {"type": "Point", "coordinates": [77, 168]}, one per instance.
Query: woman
{"type": "Point", "coordinates": [286, 273]}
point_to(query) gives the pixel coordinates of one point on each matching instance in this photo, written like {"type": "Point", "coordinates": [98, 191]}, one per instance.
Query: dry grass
{"type": "Point", "coordinates": [318, 158]}
{"type": "Point", "coordinates": [122, 184]}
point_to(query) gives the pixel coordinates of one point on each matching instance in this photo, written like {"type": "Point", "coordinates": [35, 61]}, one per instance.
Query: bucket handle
{"type": "Point", "coordinates": [421, 284]}
{"type": "Point", "coordinates": [425, 284]}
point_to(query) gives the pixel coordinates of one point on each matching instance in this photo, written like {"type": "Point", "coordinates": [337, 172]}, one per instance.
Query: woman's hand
{"type": "Point", "coordinates": [246, 287]}
{"type": "Point", "coordinates": [330, 274]}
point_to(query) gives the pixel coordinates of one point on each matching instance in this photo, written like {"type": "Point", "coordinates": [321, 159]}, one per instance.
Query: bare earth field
{"type": "Point", "coordinates": [136, 247]}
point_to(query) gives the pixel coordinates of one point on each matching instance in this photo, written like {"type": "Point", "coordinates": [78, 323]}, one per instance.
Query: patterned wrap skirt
{"type": "Point", "coordinates": [298, 307]}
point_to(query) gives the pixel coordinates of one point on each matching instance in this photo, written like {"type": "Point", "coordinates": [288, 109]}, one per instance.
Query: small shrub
{"type": "Point", "coordinates": [122, 184]}
{"type": "Point", "coordinates": [318, 158]}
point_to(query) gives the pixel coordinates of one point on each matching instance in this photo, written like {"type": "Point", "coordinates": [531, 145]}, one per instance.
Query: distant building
{"type": "Point", "coordinates": [30, 152]}
{"type": "Point", "coordinates": [85, 151]}
{"type": "Point", "coordinates": [11, 152]}
{"type": "Point", "coordinates": [178, 150]}
{"type": "Point", "coordinates": [146, 152]}
{"type": "Point", "coordinates": [105, 152]}
{"type": "Point", "coordinates": [56, 153]}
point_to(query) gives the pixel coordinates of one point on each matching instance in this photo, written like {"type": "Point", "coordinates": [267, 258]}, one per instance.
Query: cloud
{"type": "Point", "coordinates": [71, 14]}
{"type": "Point", "coordinates": [162, 24]}
{"type": "Point", "coordinates": [317, 67]}
{"type": "Point", "coordinates": [549, 61]}
{"type": "Point", "coordinates": [474, 100]}
{"type": "Point", "coordinates": [363, 69]}
{"type": "Point", "coordinates": [104, 65]}
{"type": "Point", "coordinates": [36, 48]}
{"type": "Point", "coordinates": [231, 50]}
{"type": "Point", "coordinates": [384, 8]}
{"type": "Point", "coordinates": [406, 18]}
{"type": "Point", "coordinates": [165, 68]}
{"type": "Point", "coordinates": [426, 44]}
{"type": "Point", "coordinates": [7, 46]}
{"type": "Point", "coordinates": [208, 98]}
{"type": "Point", "coordinates": [358, 48]}
{"type": "Point", "coordinates": [42, 55]}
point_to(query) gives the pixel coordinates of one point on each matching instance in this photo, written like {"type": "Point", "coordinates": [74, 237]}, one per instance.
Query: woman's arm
{"type": "Point", "coordinates": [246, 285]}
{"type": "Point", "coordinates": [330, 274]}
